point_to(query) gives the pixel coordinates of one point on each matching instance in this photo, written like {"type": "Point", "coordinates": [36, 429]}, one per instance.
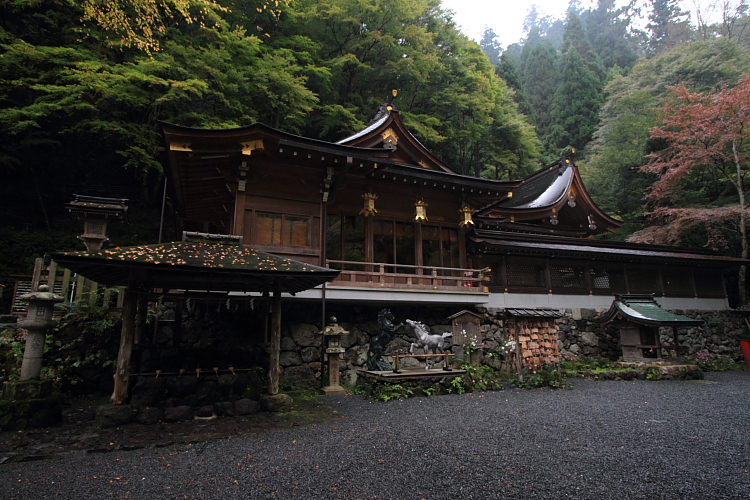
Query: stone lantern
{"type": "Point", "coordinates": [38, 321]}
{"type": "Point", "coordinates": [95, 212]}
{"type": "Point", "coordinates": [334, 352]}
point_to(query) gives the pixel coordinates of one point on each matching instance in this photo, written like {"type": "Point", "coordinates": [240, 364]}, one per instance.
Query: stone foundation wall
{"type": "Point", "coordinates": [718, 335]}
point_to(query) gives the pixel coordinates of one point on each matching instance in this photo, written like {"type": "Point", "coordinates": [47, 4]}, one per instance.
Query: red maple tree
{"type": "Point", "coordinates": [703, 131]}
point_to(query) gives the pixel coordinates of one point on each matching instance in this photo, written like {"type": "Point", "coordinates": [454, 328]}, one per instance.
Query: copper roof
{"type": "Point", "coordinates": [643, 309]}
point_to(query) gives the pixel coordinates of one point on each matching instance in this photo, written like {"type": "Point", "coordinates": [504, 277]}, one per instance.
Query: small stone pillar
{"type": "Point", "coordinates": [38, 321]}
{"type": "Point", "coordinates": [334, 352]}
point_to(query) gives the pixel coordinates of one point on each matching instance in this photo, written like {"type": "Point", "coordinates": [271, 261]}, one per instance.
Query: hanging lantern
{"type": "Point", "coordinates": [369, 208]}
{"type": "Point", "coordinates": [466, 212]}
{"type": "Point", "coordinates": [571, 199]}
{"type": "Point", "coordinates": [420, 211]}
{"type": "Point", "coordinates": [592, 224]}
{"type": "Point", "coordinates": [553, 219]}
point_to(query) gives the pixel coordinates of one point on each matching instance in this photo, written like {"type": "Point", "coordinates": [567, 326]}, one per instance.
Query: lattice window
{"type": "Point", "coordinates": [496, 275]}
{"type": "Point", "coordinates": [676, 281]}
{"type": "Point", "coordinates": [567, 276]}
{"type": "Point", "coordinates": [610, 279]}
{"type": "Point", "coordinates": [643, 280]}
{"type": "Point", "coordinates": [526, 273]}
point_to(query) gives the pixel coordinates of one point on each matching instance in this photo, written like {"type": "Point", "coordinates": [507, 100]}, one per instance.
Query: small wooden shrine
{"type": "Point", "coordinates": [638, 317]}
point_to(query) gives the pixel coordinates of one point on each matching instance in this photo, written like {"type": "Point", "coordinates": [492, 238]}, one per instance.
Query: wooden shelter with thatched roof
{"type": "Point", "coordinates": [201, 264]}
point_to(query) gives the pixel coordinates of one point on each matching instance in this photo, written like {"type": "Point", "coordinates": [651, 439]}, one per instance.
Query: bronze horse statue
{"type": "Point", "coordinates": [387, 329]}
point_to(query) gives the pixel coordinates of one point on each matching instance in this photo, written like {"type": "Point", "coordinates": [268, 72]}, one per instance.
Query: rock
{"type": "Point", "coordinates": [288, 344]}
{"type": "Point", "coordinates": [246, 407]}
{"type": "Point", "coordinates": [115, 415]}
{"type": "Point", "coordinates": [574, 348]}
{"type": "Point", "coordinates": [306, 335]}
{"type": "Point", "coordinates": [298, 375]}
{"type": "Point", "coordinates": [315, 366]}
{"type": "Point", "coordinates": [589, 339]}
{"type": "Point", "coordinates": [275, 403]}
{"type": "Point", "coordinates": [178, 414]}
{"type": "Point", "coordinates": [310, 354]}
{"type": "Point", "coordinates": [148, 391]}
{"type": "Point", "coordinates": [178, 387]}
{"type": "Point", "coordinates": [289, 358]}
{"type": "Point", "coordinates": [224, 408]}
{"type": "Point", "coordinates": [149, 416]}
{"type": "Point", "coordinates": [349, 378]}
{"type": "Point", "coordinates": [207, 392]}
{"type": "Point", "coordinates": [206, 411]}
{"type": "Point", "coordinates": [356, 355]}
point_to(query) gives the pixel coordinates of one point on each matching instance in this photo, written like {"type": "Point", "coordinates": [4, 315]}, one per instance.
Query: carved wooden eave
{"type": "Point", "coordinates": [551, 201]}
{"type": "Point", "coordinates": [387, 131]}
{"type": "Point", "coordinates": [203, 167]}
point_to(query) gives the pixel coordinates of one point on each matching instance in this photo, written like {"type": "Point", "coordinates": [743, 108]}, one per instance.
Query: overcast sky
{"type": "Point", "coordinates": [506, 17]}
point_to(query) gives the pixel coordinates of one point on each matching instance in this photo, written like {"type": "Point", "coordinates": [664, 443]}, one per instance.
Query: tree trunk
{"type": "Point", "coordinates": [743, 223]}
{"type": "Point", "coordinates": [120, 394]}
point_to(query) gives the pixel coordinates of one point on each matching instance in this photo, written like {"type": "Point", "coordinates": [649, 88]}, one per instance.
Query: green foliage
{"type": "Point", "coordinates": [546, 375]}
{"type": "Point", "coordinates": [477, 378]}
{"type": "Point", "coordinates": [575, 108]}
{"type": "Point", "coordinates": [457, 384]}
{"type": "Point", "coordinates": [710, 362]}
{"type": "Point", "coordinates": [622, 139]}
{"type": "Point", "coordinates": [570, 363]}
{"type": "Point", "coordinates": [386, 392]}
{"type": "Point", "coordinates": [11, 353]}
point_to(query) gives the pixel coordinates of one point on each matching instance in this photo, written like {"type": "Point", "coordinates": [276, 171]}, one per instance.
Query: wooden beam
{"type": "Point", "coordinates": [275, 348]}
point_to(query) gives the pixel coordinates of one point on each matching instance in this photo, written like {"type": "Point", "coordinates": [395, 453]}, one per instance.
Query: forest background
{"type": "Point", "coordinates": [83, 84]}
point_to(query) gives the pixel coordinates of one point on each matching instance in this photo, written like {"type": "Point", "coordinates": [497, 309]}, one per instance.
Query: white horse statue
{"type": "Point", "coordinates": [428, 342]}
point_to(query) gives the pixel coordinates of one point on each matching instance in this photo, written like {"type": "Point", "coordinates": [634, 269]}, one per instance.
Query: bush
{"type": "Point", "coordinates": [709, 362]}
{"type": "Point", "coordinates": [546, 375]}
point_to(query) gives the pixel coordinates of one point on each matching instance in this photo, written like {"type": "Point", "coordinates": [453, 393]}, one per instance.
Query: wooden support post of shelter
{"type": "Point", "coordinates": [274, 355]}
{"type": "Point", "coordinates": [140, 323]}
{"type": "Point", "coordinates": [127, 336]}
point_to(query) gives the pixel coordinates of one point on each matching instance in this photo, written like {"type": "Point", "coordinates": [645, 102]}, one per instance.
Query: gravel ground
{"type": "Point", "coordinates": [600, 440]}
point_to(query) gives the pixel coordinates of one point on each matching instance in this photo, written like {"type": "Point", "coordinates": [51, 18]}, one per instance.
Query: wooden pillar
{"type": "Point", "coordinates": [418, 258]}
{"type": "Point", "coordinates": [140, 323]}
{"type": "Point", "coordinates": [127, 335]}
{"type": "Point", "coordinates": [37, 274]}
{"type": "Point", "coordinates": [275, 348]}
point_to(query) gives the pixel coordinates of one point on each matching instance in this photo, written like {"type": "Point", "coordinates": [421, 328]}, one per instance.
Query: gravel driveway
{"type": "Point", "coordinates": [600, 440]}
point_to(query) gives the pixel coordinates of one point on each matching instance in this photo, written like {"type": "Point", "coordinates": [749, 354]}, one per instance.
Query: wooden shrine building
{"type": "Point", "coordinates": [402, 226]}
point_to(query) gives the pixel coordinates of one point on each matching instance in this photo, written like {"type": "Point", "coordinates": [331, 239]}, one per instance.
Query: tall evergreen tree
{"type": "Point", "coordinates": [667, 25]}
{"type": "Point", "coordinates": [540, 80]}
{"type": "Point", "coordinates": [575, 109]}
{"type": "Point", "coordinates": [506, 70]}
{"type": "Point", "coordinates": [607, 31]}
{"type": "Point", "coordinates": [575, 36]}
{"type": "Point", "coordinates": [490, 45]}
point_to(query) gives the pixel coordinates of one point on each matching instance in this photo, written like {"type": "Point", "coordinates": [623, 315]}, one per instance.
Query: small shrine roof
{"type": "Point", "coordinates": [534, 313]}
{"type": "Point", "coordinates": [643, 309]}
